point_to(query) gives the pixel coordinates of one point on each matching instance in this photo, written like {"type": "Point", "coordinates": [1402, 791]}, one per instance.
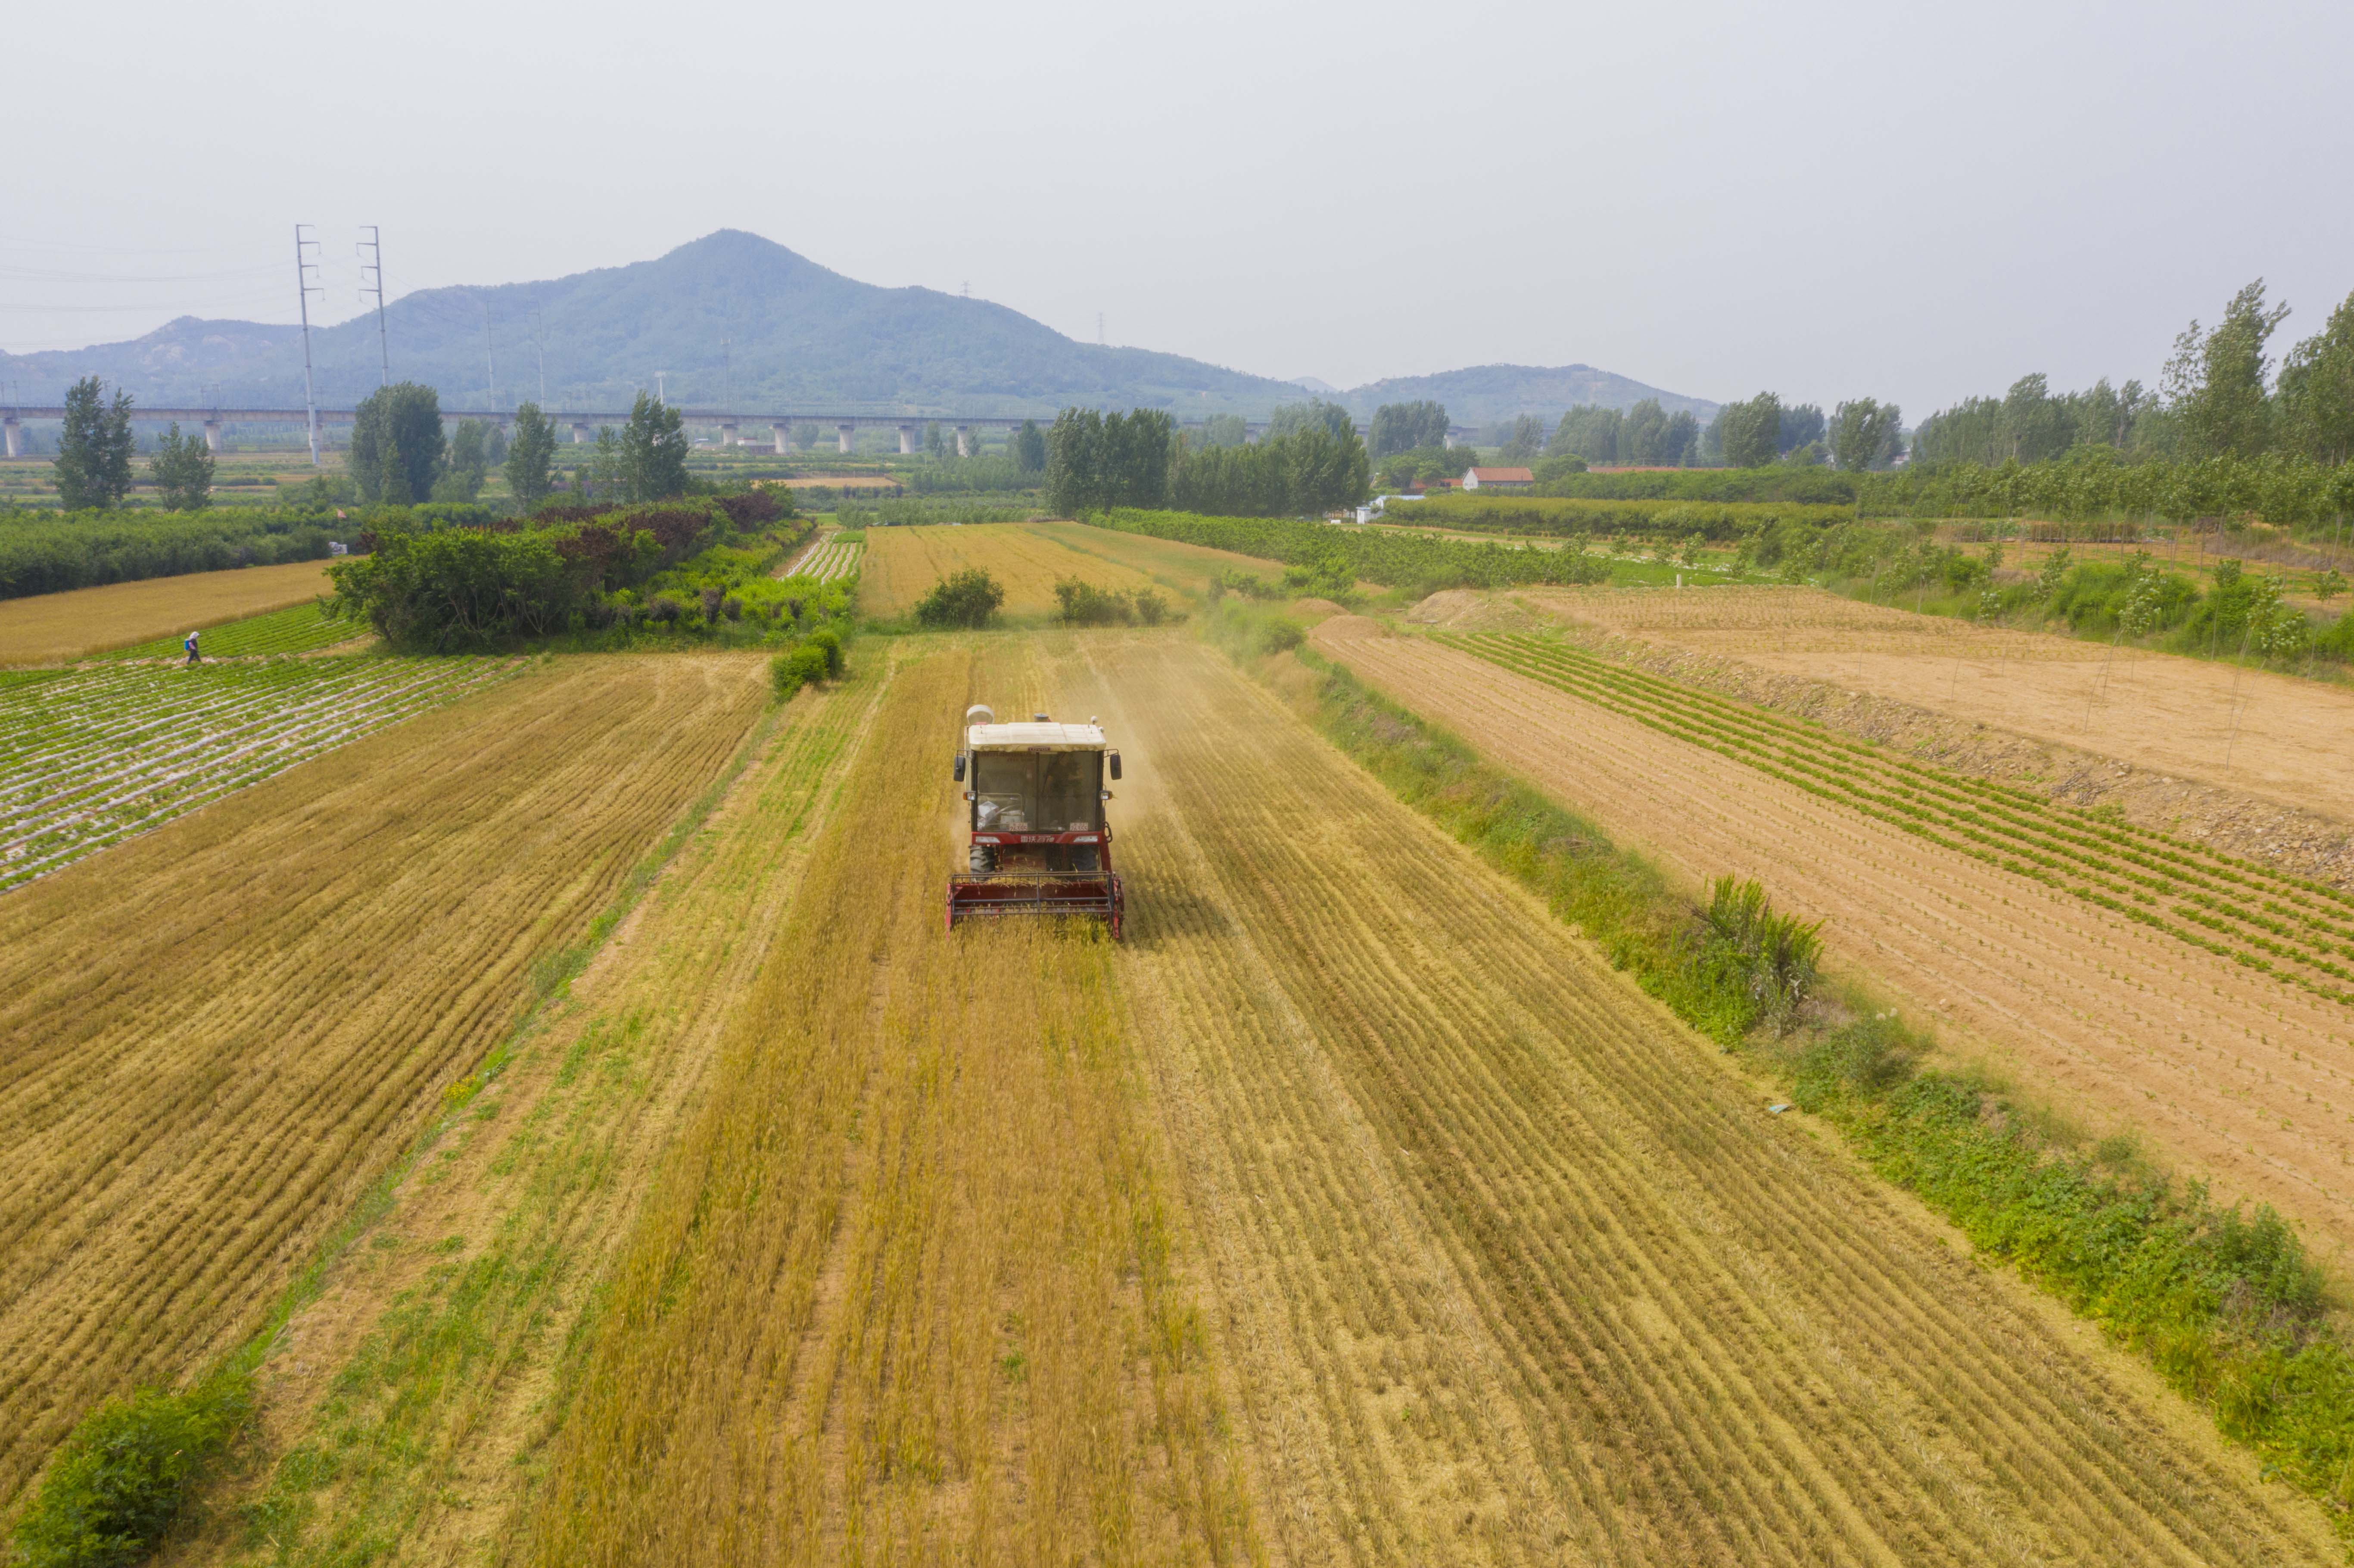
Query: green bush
{"type": "Point", "coordinates": [804, 667]}
{"type": "Point", "coordinates": [969, 597]}
{"type": "Point", "coordinates": [828, 646]}
{"type": "Point", "coordinates": [118, 1482]}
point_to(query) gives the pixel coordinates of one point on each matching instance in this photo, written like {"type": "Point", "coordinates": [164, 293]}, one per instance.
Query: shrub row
{"type": "Point", "coordinates": [1332, 560]}
{"type": "Point", "coordinates": [48, 552]}
{"type": "Point", "coordinates": [1563, 518]}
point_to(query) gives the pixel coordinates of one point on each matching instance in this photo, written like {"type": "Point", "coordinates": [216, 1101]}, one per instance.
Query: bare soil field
{"type": "Point", "coordinates": [54, 628]}
{"type": "Point", "coordinates": [2272, 735]}
{"type": "Point", "coordinates": [218, 1035]}
{"type": "Point", "coordinates": [1510, 1267]}
{"type": "Point", "coordinates": [405, 1401]}
{"type": "Point", "coordinates": [902, 563]}
{"type": "Point", "coordinates": [2229, 1072]}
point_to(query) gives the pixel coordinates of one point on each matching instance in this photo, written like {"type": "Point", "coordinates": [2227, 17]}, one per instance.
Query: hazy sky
{"type": "Point", "coordinates": [1831, 199]}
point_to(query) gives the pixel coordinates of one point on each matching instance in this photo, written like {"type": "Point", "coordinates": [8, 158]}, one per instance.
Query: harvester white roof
{"type": "Point", "coordinates": [1034, 736]}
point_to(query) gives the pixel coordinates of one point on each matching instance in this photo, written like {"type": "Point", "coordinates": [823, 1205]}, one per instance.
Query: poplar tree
{"type": "Point", "coordinates": [94, 453]}
{"type": "Point", "coordinates": [183, 471]}
{"type": "Point", "coordinates": [530, 456]}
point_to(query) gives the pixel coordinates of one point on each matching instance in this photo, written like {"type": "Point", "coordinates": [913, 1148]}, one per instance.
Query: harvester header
{"type": "Point", "coordinates": [1039, 842]}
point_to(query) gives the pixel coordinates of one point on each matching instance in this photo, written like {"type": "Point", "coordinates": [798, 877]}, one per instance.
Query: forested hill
{"type": "Point", "coordinates": [799, 335]}
{"type": "Point", "coordinates": [1485, 394]}
{"type": "Point", "coordinates": [734, 318]}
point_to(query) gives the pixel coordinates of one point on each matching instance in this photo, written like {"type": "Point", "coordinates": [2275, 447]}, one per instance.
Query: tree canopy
{"type": "Point", "coordinates": [1407, 426]}
{"type": "Point", "coordinates": [94, 451]}
{"type": "Point", "coordinates": [183, 471]}
{"type": "Point", "coordinates": [398, 451]}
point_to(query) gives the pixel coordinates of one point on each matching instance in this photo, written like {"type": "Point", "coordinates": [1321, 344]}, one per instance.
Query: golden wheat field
{"type": "Point", "coordinates": [218, 1034]}
{"type": "Point", "coordinates": [1353, 1211]}
{"type": "Point", "coordinates": [52, 627]}
{"type": "Point", "coordinates": [902, 563]}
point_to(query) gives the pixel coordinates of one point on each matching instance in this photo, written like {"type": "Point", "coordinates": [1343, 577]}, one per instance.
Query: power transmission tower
{"type": "Point", "coordinates": [539, 342]}
{"type": "Point", "coordinates": [372, 282]}
{"type": "Point", "coordinates": [304, 289]}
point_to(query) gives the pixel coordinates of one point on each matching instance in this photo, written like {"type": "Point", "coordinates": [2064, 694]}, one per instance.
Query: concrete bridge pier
{"type": "Point", "coordinates": [212, 437]}
{"type": "Point", "coordinates": [777, 430]}
{"type": "Point", "coordinates": [727, 433]}
{"type": "Point", "coordinates": [964, 441]}
{"type": "Point", "coordinates": [579, 432]}
{"type": "Point", "coordinates": [907, 440]}
{"type": "Point", "coordinates": [849, 436]}
{"type": "Point", "coordinates": [15, 434]}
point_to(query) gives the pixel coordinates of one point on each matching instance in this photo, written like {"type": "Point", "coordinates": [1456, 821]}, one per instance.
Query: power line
{"type": "Point", "coordinates": [303, 287]}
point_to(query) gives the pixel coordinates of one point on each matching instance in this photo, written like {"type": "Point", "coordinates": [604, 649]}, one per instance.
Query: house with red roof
{"type": "Point", "coordinates": [1498, 479]}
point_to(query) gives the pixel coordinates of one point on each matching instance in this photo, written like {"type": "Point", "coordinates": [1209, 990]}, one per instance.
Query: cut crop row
{"type": "Point", "coordinates": [2301, 932]}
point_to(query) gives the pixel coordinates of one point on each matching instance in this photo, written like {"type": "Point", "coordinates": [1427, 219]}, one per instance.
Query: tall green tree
{"type": "Point", "coordinates": [94, 453]}
{"type": "Point", "coordinates": [2216, 380]}
{"type": "Point", "coordinates": [1097, 461]}
{"type": "Point", "coordinates": [469, 462]}
{"type": "Point", "coordinates": [1224, 430]}
{"type": "Point", "coordinates": [1800, 425]}
{"type": "Point", "coordinates": [1864, 433]}
{"type": "Point", "coordinates": [1588, 432]}
{"type": "Point", "coordinates": [1407, 426]}
{"type": "Point", "coordinates": [399, 449]}
{"type": "Point", "coordinates": [1030, 448]}
{"type": "Point", "coordinates": [1523, 441]}
{"type": "Point", "coordinates": [1750, 433]}
{"type": "Point", "coordinates": [1292, 417]}
{"type": "Point", "coordinates": [183, 471]}
{"type": "Point", "coordinates": [2316, 391]}
{"type": "Point", "coordinates": [531, 455]}
{"type": "Point", "coordinates": [653, 451]}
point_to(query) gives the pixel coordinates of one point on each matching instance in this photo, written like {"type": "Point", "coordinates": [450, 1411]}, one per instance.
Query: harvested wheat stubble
{"type": "Point", "coordinates": [1192, 567]}
{"type": "Point", "coordinates": [425, 1375]}
{"type": "Point", "coordinates": [2270, 735]}
{"type": "Point", "coordinates": [1512, 1268]}
{"type": "Point", "coordinates": [91, 757]}
{"type": "Point", "coordinates": [53, 627]}
{"type": "Point", "coordinates": [220, 1034]}
{"type": "Point", "coordinates": [902, 565]}
{"type": "Point", "coordinates": [2232, 1074]}
{"type": "Point", "coordinates": [902, 1292]}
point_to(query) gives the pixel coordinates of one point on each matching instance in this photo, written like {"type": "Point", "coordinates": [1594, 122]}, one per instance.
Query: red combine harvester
{"type": "Point", "coordinates": [1034, 797]}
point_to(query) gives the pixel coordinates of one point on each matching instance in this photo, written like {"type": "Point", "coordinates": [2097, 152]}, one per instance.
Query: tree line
{"type": "Point", "coordinates": [1312, 462]}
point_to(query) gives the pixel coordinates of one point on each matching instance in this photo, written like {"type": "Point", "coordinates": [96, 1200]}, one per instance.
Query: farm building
{"type": "Point", "coordinates": [1498, 479]}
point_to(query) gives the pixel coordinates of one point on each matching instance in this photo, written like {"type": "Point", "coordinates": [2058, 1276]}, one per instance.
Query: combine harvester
{"type": "Point", "coordinates": [1034, 797]}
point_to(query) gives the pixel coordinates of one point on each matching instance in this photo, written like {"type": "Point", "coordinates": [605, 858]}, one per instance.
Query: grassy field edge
{"type": "Point", "coordinates": [2227, 1307]}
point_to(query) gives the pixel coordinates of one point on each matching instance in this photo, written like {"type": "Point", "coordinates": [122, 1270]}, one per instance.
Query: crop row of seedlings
{"type": "Point", "coordinates": [2299, 931]}
{"type": "Point", "coordinates": [90, 757]}
{"type": "Point", "coordinates": [833, 559]}
{"type": "Point", "coordinates": [299, 628]}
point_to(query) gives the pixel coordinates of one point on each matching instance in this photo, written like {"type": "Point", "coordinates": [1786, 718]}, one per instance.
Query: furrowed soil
{"type": "Point", "coordinates": [902, 563]}
{"type": "Point", "coordinates": [219, 1035]}
{"type": "Point", "coordinates": [2268, 734]}
{"type": "Point", "coordinates": [2226, 1072]}
{"type": "Point", "coordinates": [404, 1410]}
{"type": "Point", "coordinates": [903, 1293]}
{"type": "Point", "coordinates": [1508, 1266]}
{"type": "Point", "coordinates": [54, 628]}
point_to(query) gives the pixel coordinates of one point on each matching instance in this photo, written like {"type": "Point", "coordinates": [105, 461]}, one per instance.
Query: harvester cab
{"type": "Point", "coordinates": [1041, 843]}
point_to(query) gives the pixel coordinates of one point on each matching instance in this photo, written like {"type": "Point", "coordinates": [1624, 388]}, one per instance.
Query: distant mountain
{"type": "Point", "coordinates": [1486, 394]}
{"type": "Point", "coordinates": [736, 319]}
{"type": "Point", "coordinates": [728, 318]}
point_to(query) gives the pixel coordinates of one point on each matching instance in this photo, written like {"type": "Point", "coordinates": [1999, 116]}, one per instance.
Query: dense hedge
{"type": "Point", "coordinates": [430, 587]}
{"type": "Point", "coordinates": [1563, 518]}
{"type": "Point", "coordinates": [1329, 559]}
{"type": "Point", "coordinates": [49, 552]}
{"type": "Point", "coordinates": [2092, 483]}
{"type": "Point", "coordinates": [1804, 486]}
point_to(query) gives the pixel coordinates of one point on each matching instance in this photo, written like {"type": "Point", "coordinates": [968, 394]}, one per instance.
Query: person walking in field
{"type": "Point", "coordinates": [191, 646]}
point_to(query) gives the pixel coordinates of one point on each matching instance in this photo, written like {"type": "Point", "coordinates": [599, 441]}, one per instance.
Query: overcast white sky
{"type": "Point", "coordinates": [1833, 199]}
